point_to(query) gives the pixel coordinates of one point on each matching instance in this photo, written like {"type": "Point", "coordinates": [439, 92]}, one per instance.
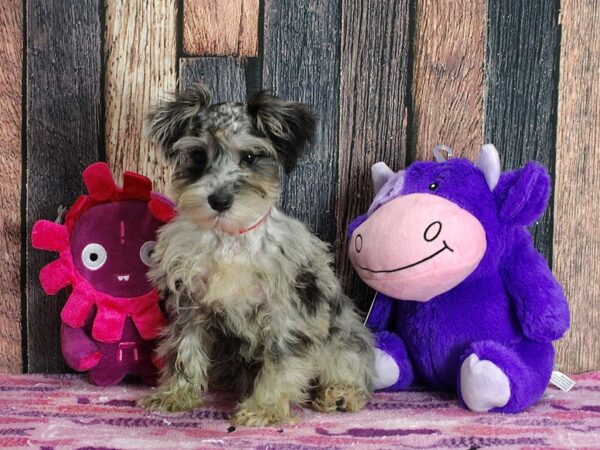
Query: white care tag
{"type": "Point", "coordinates": [561, 381]}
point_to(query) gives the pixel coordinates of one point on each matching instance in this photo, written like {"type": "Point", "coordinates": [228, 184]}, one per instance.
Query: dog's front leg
{"type": "Point", "coordinates": [281, 381]}
{"type": "Point", "coordinates": [184, 376]}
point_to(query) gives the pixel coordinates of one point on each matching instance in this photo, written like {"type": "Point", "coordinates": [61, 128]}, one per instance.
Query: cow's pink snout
{"type": "Point", "coordinates": [417, 246]}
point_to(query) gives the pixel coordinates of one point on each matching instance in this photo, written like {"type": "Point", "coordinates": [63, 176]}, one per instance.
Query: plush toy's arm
{"type": "Point", "coordinates": [540, 303]}
{"type": "Point", "coordinates": [80, 352]}
{"type": "Point", "coordinates": [381, 312]}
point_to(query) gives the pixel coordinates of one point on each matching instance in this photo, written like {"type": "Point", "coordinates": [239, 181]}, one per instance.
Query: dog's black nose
{"type": "Point", "coordinates": [220, 201]}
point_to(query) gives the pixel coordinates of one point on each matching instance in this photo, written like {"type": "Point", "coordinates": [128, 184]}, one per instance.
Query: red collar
{"type": "Point", "coordinates": [257, 223]}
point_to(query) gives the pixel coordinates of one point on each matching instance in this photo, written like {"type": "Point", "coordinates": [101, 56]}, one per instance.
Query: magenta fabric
{"type": "Point", "coordinates": [112, 316]}
{"type": "Point", "coordinates": [121, 228]}
{"type": "Point", "coordinates": [66, 412]}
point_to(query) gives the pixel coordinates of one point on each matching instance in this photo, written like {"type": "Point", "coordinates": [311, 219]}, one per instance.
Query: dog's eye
{"type": "Point", "coordinates": [434, 186]}
{"type": "Point", "coordinates": [248, 158]}
{"type": "Point", "coordinates": [198, 157]}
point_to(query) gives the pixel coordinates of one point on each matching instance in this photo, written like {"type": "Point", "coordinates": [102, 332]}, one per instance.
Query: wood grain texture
{"type": "Point", "coordinates": [374, 60]}
{"type": "Point", "coordinates": [63, 112]}
{"type": "Point", "coordinates": [577, 195]}
{"type": "Point", "coordinates": [220, 27]}
{"type": "Point", "coordinates": [521, 72]}
{"type": "Point", "coordinates": [141, 68]}
{"type": "Point", "coordinates": [301, 63]}
{"type": "Point", "coordinates": [225, 76]}
{"type": "Point", "coordinates": [447, 78]}
{"type": "Point", "coordinates": [11, 51]}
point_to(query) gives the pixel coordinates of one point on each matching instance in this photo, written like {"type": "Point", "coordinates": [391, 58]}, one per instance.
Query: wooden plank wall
{"type": "Point", "coordinates": [63, 133]}
{"type": "Point", "coordinates": [389, 79]}
{"type": "Point", "coordinates": [577, 187]}
{"type": "Point", "coordinates": [141, 67]}
{"type": "Point", "coordinates": [521, 73]}
{"type": "Point", "coordinates": [301, 61]}
{"type": "Point", "coordinates": [11, 55]}
{"type": "Point", "coordinates": [447, 77]}
{"type": "Point", "coordinates": [375, 66]}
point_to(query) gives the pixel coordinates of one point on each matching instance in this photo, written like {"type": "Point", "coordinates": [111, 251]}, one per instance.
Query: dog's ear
{"type": "Point", "coordinates": [168, 121]}
{"type": "Point", "coordinates": [289, 125]}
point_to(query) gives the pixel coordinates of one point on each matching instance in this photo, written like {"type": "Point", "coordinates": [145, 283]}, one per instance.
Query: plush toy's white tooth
{"type": "Point", "coordinates": [489, 163]}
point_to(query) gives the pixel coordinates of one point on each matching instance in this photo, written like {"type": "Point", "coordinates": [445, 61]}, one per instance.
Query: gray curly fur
{"type": "Point", "coordinates": [260, 312]}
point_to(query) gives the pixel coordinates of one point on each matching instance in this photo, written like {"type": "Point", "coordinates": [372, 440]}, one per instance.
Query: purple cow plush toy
{"type": "Point", "coordinates": [464, 302]}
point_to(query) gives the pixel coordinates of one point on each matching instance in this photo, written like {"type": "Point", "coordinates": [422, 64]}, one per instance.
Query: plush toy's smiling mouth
{"type": "Point", "coordinates": [446, 247]}
{"type": "Point", "coordinates": [123, 277]}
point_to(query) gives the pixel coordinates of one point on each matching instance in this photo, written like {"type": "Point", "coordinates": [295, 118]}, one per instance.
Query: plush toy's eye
{"type": "Point", "coordinates": [146, 252]}
{"type": "Point", "coordinates": [93, 256]}
{"type": "Point", "coordinates": [248, 158]}
{"type": "Point", "coordinates": [433, 186]}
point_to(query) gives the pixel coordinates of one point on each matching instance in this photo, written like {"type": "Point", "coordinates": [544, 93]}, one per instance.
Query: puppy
{"type": "Point", "coordinates": [254, 304]}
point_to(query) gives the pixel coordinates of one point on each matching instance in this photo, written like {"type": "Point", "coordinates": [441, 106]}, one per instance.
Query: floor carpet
{"type": "Point", "coordinates": [66, 412]}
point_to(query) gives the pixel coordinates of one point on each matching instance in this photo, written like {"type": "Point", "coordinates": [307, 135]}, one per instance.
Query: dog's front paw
{"type": "Point", "coordinates": [252, 414]}
{"type": "Point", "coordinates": [171, 401]}
{"type": "Point", "coordinates": [339, 397]}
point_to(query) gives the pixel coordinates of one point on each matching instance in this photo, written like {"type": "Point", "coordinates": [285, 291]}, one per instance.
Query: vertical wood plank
{"type": "Point", "coordinates": [374, 65]}
{"type": "Point", "coordinates": [63, 116]}
{"type": "Point", "coordinates": [224, 76]}
{"type": "Point", "coordinates": [11, 51]}
{"type": "Point", "coordinates": [577, 194]}
{"type": "Point", "coordinates": [521, 72]}
{"type": "Point", "coordinates": [141, 66]}
{"type": "Point", "coordinates": [220, 27]}
{"type": "Point", "coordinates": [447, 78]}
{"type": "Point", "coordinates": [301, 63]}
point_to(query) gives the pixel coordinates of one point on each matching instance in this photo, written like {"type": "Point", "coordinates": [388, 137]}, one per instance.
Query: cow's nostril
{"type": "Point", "coordinates": [358, 243]}
{"type": "Point", "coordinates": [432, 231]}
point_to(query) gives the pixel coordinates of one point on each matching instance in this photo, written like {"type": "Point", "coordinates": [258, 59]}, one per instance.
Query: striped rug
{"type": "Point", "coordinates": [66, 412]}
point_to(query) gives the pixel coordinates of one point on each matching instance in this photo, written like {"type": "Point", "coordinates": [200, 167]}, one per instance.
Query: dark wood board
{"type": "Point", "coordinates": [225, 76]}
{"type": "Point", "coordinates": [11, 54]}
{"type": "Point", "coordinates": [374, 66]}
{"type": "Point", "coordinates": [64, 114]}
{"type": "Point", "coordinates": [521, 76]}
{"type": "Point", "coordinates": [577, 206]}
{"type": "Point", "coordinates": [301, 50]}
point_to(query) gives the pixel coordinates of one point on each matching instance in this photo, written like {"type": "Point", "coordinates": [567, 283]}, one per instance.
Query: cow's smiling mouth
{"type": "Point", "coordinates": [446, 247]}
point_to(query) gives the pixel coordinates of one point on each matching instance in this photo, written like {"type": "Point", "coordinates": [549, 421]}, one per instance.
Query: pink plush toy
{"type": "Point", "coordinates": [112, 317]}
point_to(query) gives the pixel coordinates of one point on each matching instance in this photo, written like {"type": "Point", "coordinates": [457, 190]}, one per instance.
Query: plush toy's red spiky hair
{"type": "Point", "coordinates": [102, 188]}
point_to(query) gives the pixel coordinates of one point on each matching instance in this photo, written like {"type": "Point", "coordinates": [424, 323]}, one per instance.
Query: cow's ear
{"type": "Point", "coordinates": [522, 195]}
{"type": "Point", "coordinates": [380, 173]}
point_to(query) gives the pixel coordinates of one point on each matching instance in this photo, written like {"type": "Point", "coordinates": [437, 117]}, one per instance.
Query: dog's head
{"type": "Point", "coordinates": [226, 156]}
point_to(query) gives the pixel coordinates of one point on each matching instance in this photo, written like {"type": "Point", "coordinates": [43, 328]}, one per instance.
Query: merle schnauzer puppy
{"type": "Point", "coordinates": [253, 301]}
